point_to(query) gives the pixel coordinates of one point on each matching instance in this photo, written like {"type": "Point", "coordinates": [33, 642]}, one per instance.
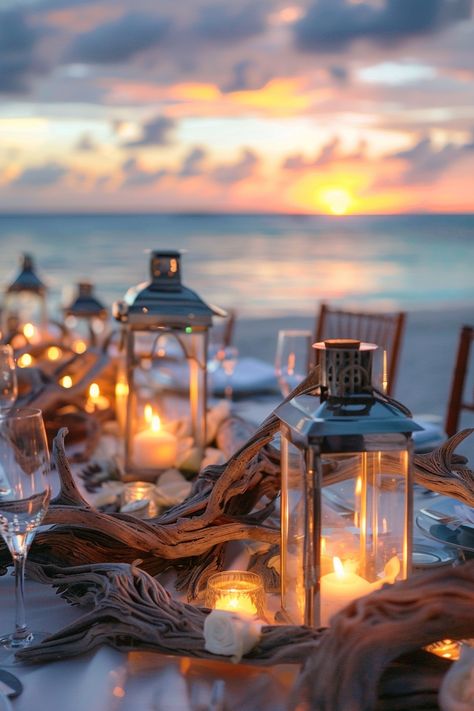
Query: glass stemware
{"type": "Point", "coordinates": [228, 359]}
{"type": "Point", "coordinates": [24, 498]}
{"type": "Point", "coordinates": [292, 359]}
{"type": "Point", "coordinates": [8, 378]}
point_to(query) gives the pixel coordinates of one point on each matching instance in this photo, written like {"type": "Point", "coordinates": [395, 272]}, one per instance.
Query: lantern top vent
{"type": "Point", "coordinates": [27, 279]}
{"type": "Point", "coordinates": [164, 301]}
{"type": "Point", "coordinates": [348, 403]}
{"type": "Point", "coordinates": [85, 304]}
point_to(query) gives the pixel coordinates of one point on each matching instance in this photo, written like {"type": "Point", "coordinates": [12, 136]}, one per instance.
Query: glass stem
{"type": "Point", "coordinates": [21, 630]}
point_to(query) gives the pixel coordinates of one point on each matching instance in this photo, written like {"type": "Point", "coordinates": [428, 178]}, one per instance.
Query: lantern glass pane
{"type": "Point", "coordinates": [293, 503]}
{"type": "Point", "coordinates": [366, 521]}
{"type": "Point", "coordinates": [22, 308]}
{"type": "Point", "coordinates": [165, 390]}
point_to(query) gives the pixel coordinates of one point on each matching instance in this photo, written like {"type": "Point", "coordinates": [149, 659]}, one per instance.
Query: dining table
{"type": "Point", "coordinates": [105, 679]}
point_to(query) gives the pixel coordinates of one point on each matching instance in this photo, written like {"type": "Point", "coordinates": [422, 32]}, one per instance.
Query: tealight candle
{"type": "Point", "coordinates": [338, 589]}
{"type": "Point", "coordinates": [237, 591]}
{"type": "Point", "coordinates": [154, 448]}
{"type": "Point", "coordinates": [136, 492]}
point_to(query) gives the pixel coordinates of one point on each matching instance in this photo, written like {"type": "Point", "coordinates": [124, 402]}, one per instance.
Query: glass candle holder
{"type": "Point", "coordinates": [236, 591]}
{"type": "Point", "coordinates": [139, 492]}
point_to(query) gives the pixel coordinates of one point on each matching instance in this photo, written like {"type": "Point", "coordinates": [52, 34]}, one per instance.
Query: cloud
{"type": "Point", "coordinates": [119, 40]}
{"type": "Point", "coordinates": [17, 43]}
{"type": "Point", "coordinates": [135, 175]}
{"type": "Point", "coordinates": [226, 22]}
{"type": "Point", "coordinates": [40, 176]}
{"type": "Point", "coordinates": [155, 133]}
{"type": "Point", "coordinates": [86, 144]}
{"type": "Point", "coordinates": [331, 25]}
{"type": "Point", "coordinates": [243, 168]}
{"type": "Point", "coordinates": [329, 153]}
{"type": "Point", "coordinates": [193, 163]}
{"type": "Point", "coordinates": [425, 161]}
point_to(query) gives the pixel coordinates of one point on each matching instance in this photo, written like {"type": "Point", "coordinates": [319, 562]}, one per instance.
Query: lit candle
{"type": "Point", "coordinates": [339, 588]}
{"type": "Point", "coordinates": [236, 591]}
{"type": "Point", "coordinates": [96, 401]}
{"type": "Point", "coordinates": [25, 360]}
{"type": "Point", "coordinates": [139, 492]}
{"type": "Point", "coordinates": [154, 448]}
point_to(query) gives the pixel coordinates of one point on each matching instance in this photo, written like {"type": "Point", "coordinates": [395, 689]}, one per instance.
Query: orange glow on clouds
{"type": "Point", "coordinates": [279, 95]}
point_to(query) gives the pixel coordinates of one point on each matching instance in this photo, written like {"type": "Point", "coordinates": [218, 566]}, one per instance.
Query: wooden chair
{"type": "Point", "coordinates": [222, 331]}
{"type": "Point", "coordinates": [459, 399]}
{"type": "Point", "coordinates": [386, 330]}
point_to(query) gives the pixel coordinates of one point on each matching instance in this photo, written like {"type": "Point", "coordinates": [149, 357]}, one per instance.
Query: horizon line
{"type": "Point", "coordinates": [217, 213]}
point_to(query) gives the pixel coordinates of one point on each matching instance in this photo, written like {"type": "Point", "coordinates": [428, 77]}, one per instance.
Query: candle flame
{"type": "Point", "coordinates": [54, 353]}
{"type": "Point", "coordinates": [323, 545]}
{"type": "Point", "coordinates": [358, 488]}
{"type": "Point", "coordinates": [79, 347]}
{"type": "Point", "coordinates": [25, 360]}
{"type": "Point", "coordinates": [121, 389]}
{"type": "Point", "coordinates": [148, 413]}
{"type": "Point", "coordinates": [66, 382]}
{"type": "Point", "coordinates": [155, 423]}
{"type": "Point", "coordinates": [338, 567]}
{"type": "Point", "coordinates": [94, 391]}
{"type": "Point", "coordinates": [29, 330]}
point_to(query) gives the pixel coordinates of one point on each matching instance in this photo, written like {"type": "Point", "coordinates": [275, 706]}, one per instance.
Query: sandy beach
{"type": "Point", "coordinates": [427, 359]}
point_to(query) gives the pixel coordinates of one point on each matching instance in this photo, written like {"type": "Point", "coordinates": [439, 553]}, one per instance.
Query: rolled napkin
{"type": "Point", "coordinates": [457, 688]}
{"type": "Point", "coordinates": [230, 635]}
{"type": "Point", "coordinates": [465, 514]}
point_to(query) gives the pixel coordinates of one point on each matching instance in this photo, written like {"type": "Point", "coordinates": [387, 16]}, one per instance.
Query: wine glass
{"type": "Point", "coordinates": [8, 379]}
{"type": "Point", "coordinates": [292, 359]}
{"type": "Point", "coordinates": [24, 498]}
{"type": "Point", "coordinates": [227, 358]}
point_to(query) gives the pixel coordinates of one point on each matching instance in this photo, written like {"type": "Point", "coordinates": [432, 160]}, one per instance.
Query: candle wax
{"type": "Point", "coordinates": [236, 601]}
{"type": "Point", "coordinates": [154, 449]}
{"type": "Point", "coordinates": [338, 590]}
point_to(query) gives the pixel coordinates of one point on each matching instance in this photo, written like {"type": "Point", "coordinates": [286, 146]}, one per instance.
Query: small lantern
{"type": "Point", "coordinates": [346, 491]}
{"type": "Point", "coordinates": [86, 317]}
{"type": "Point", "coordinates": [154, 314]}
{"type": "Point", "coordinates": [24, 307]}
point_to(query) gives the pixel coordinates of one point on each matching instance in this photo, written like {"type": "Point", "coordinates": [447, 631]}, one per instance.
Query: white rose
{"type": "Point", "coordinates": [230, 634]}
{"type": "Point", "coordinates": [457, 688]}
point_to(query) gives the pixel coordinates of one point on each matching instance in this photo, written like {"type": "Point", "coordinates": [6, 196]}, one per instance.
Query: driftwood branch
{"type": "Point", "coordinates": [131, 610]}
{"type": "Point", "coordinates": [228, 502]}
{"type": "Point", "coordinates": [370, 658]}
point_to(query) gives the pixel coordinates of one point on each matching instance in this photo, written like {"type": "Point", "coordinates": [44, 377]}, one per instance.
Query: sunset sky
{"type": "Point", "coordinates": [333, 106]}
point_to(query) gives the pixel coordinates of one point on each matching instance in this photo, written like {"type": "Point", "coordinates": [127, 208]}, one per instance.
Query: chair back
{"type": "Point", "coordinates": [460, 397]}
{"type": "Point", "coordinates": [386, 330]}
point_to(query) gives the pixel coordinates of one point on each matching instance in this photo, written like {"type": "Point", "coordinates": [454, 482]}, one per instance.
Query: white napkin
{"type": "Point", "coordinates": [465, 514]}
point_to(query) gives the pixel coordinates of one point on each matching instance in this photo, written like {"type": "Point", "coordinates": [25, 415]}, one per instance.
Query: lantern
{"type": "Point", "coordinates": [86, 317]}
{"type": "Point", "coordinates": [24, 307]}
{"type": "Point", "coordinates": [165, 325]}
{"type": "Point", "coordinates": [346, 491]}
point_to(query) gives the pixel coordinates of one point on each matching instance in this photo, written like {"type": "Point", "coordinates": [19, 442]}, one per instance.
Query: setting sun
{"type": "Point", "coordinates": [336, 201]}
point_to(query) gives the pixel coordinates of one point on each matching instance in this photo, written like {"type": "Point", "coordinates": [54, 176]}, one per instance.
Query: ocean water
{"type": "Point", "coordinates": [264, 265]}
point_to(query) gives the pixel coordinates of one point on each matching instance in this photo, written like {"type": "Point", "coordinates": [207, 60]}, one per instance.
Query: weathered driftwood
{"type": "Point", "coordinates": [344, 669]}
{"type": "Point", "coordinates": [370, 659]}
{"type": "Point", "coordinates": [42, 390]}
{"type": "Point", "coordinates": [446, 472]}
{"type": "Point", "coordinates": [131, 610]}
{"type": "Point", "coordinates": [228, 502]}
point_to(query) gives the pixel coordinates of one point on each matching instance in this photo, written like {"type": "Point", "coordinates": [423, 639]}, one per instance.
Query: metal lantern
{"type": "Point", "coordinates": [165, 328]}
{"type": "Point", "coordinates": [25, 302]}
{"type": "Point", "coordinates": [346, 490]}
{"type": "Point", "coordinates": [86, 317]}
